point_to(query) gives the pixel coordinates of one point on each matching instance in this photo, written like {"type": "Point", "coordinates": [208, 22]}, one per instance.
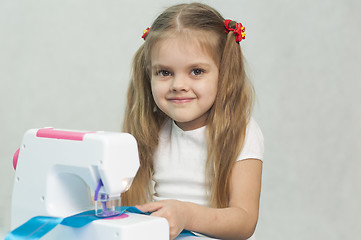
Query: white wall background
{"type": "Point", "coordinates": [66, 64]}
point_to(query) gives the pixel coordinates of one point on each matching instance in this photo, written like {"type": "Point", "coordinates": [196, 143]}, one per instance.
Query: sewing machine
{"type": "Point", "coordinates": [60, 173]}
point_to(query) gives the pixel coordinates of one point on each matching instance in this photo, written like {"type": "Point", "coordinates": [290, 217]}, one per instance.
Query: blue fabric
{"type": "Point", "coordinates": [35, 228]}
{"type": "Point", "coordinates": [82, 219]}
{"type": "Point", "coordinates": [38, 226]}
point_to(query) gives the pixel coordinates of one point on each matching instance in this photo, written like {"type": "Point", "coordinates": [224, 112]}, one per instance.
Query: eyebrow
{"type": "Point", "coordinates": [159, 66]}
{"type": "Point", "coordinates": [193, 65]}
{"type": "Point", "coordinates": [203, 65]}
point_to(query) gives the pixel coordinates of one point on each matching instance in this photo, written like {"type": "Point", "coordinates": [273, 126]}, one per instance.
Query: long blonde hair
{"type": "Point", "coordinates": [228, 117]}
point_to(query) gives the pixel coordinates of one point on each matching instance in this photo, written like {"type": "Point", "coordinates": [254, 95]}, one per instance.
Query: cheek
{"type": "Point", "coordinates": [214, 86]}
{"type": "Point", "coordinates": [208, 89]}
{"type": "Point", "coordinates": [212, 95]}
{"type": "Point", "coordinates": [211, 92]}
{"type": "Point", "coordinates": [157, 91]}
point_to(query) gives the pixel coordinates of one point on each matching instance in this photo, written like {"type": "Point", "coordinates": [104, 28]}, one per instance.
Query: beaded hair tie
{"type": "Point", "coordinates": [238, 30]}
{"type": "Point", "coordinates": [145, 33]}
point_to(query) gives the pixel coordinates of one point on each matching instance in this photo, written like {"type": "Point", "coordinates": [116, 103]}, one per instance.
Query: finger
{"type": "Point", "coordinates": [149, 207]}
{"type": "Point", "coordinates": [157, 214]}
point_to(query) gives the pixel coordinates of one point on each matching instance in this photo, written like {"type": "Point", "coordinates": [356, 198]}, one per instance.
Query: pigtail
{"type": "Point", "coordinates": [227, 121]}
{"type": "Point", "coordinates": [143, 123]}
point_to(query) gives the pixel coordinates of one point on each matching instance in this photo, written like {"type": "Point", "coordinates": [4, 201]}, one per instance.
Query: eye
{"type": "Point", "coordinates": [164, 73]}
{"type": "Point", "coordinates": [197, 71]}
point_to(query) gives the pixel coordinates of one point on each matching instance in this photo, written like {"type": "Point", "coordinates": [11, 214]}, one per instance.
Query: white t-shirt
{"type": "Point", "coordinates": [180, 159]}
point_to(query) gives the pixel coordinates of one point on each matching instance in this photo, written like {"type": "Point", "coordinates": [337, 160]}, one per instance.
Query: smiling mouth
{"type": "Point", "coordinates": [180, 100]}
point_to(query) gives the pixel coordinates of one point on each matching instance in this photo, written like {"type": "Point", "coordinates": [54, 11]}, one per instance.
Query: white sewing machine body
{"type": "Point", "coordinates": [56, 171]}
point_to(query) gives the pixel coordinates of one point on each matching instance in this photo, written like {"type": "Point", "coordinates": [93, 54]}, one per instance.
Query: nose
{"type": "Point", "coordinates": [179, 83]}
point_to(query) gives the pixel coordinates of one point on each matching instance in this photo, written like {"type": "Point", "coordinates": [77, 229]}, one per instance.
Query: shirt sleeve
{"type": "Point", "coordinates": [253, 146]}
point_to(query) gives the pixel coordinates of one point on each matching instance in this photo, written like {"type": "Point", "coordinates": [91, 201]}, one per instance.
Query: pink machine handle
{"type": "Point", "coordinates": [15, 158]}
{"type": "Point", "coordinates": [57, 134]}
{"type": "Point", "coordinates": [60, 134]}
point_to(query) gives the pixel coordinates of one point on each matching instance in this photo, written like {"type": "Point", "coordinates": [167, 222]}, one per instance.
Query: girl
{"type": "Point", "coordinates": [189, 107]}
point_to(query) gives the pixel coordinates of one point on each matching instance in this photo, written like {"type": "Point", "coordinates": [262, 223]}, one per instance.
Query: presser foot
{"type": "Point", "coordinates": [105, 206]}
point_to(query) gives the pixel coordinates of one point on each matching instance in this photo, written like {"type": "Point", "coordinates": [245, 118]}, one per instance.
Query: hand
{"type": "Point", "coordinates": [173, 210]}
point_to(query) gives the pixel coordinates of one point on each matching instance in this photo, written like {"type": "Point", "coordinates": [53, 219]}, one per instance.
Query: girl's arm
{"type": "Point", "coordinates": [238, 221]}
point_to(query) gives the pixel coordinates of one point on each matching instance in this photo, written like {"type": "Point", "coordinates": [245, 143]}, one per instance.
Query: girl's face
{"type": "Point", "coordinates": [184, 81]}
